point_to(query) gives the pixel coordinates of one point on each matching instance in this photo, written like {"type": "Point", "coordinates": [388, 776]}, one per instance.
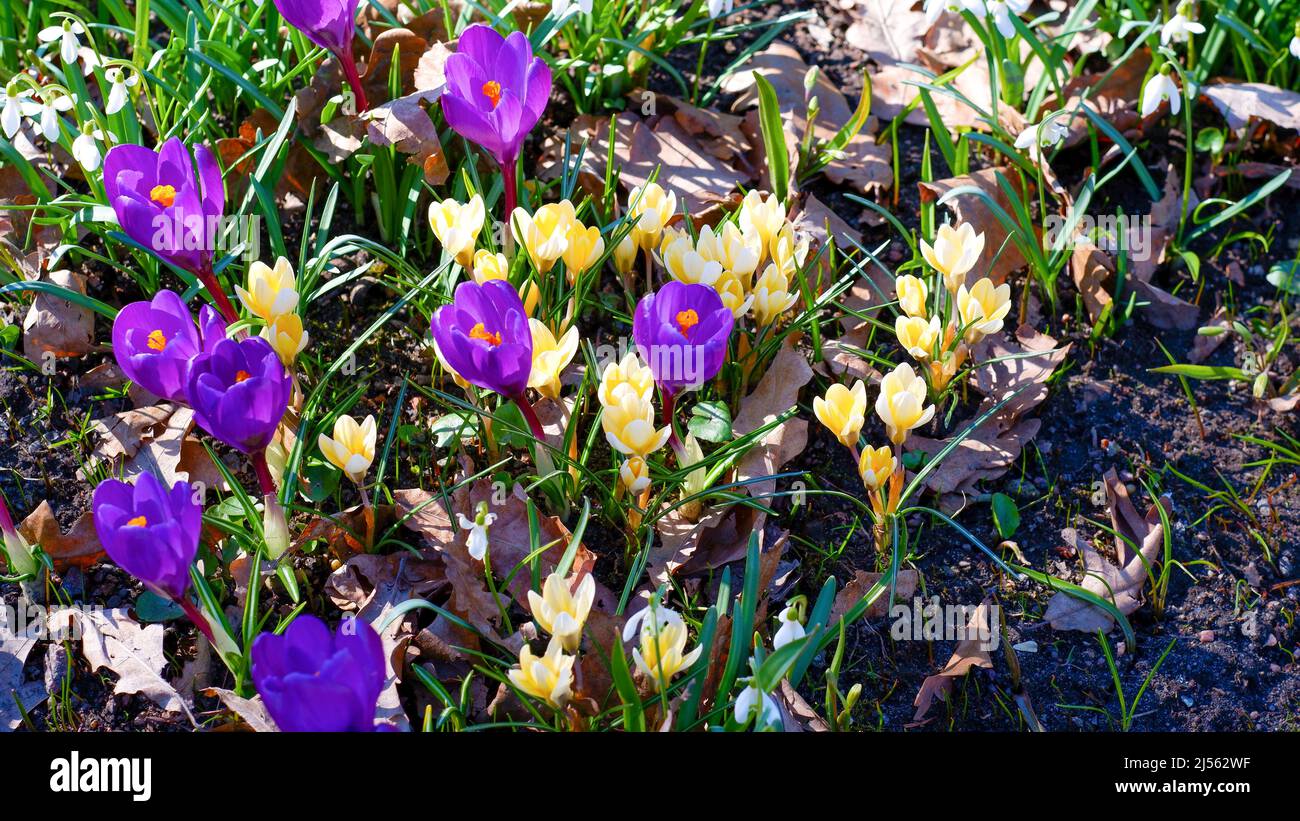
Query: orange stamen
{"type": "Point", "coordinates": [686, 320]}
{"type": "Point", "coordinates": [480, 332]}
{"type": "Point", "coordinates": [138, 521]}
{"type": "Point", "coordinates": [164, 195]}
{"type": "Point", "coordinates": [240, 376]}
{"type": "Point", "coordinates": [157, 340]}
{"type": "Point", "coordinates": [492, 90]}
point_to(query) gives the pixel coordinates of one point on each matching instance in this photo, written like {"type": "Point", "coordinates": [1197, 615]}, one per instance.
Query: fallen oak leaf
{"type": "Point", "coordinates": [58, 327]}
{"type": "Point", "coordinates": [251, 711]}
{"type": "Point", "coordinates": [860, 585]}
{"type": "Point", "coordinates": [79, 547]}
{"type": "Point", "coordinates": [15, 647]}
{"type": "Point", "coordinates": [971, 652]}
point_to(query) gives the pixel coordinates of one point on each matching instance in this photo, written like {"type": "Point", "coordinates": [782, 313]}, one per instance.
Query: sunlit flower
{"type": "Point", "coordinates": [287, 336]}
{"type": "Point", "coordinates": [627, 374]}
{"type": "Point", "coordinates": [917, 335]}
{"type": "Point", "coordinates": [772, 295]}
{"type": "Point", "coordinates": [663, 635]}
{"type": "Point", "coordinates": [120, 84]}
{"type": "Point", "coordinates": [1294, 46]}
{"type": "Point", "coordinates": [548, 677]}
{"type": "Point", "coordinates": [586, 246]}
{"type": "Point", "coordinates": [151, 530]}
{"type": "Point", "coordinates": [732, 293]}
{"type": "Point", "coordinates": [271, 292]}
{"type": "Point", "coordinates": [559, 8]}
{"type": "Point", "coordinates": [634, 473]}
{"type": "Point", "coordinates": [736, 251]}
{"type": "Point", "coordinates": [1003, 10]}
{"type": "Point", "coordinates": [954, 253]}
{"type": "Point", "coordinates": [154, 342]}
{"type": "Point", "coordinates": [48, 112]}
{"type": "Point", "coordinates": [1180, 28]}
{"type": "Point", "coordinates": [65, 35]}
{"type": "Point", "coordinates": [983, 308]}
{"type": "Point", "coordinates": [763, 216]}
{"type": "Point", "coordinates": [457, 226]}
{"type": "Point", "coordinates": [697, 481]}
{"type": "Point", "coordinates": [85, 148]}
{"type": "Point", "coordinates": [561, 612]}
{"type": "Point", "coordinates": [843, 410]}
{"type": "Point", "coordinates": [352, 447]}
{"type": "Point", "coordinates": [550, 357]}
{"type": "Point", "coordinates": [17, 101]}
{"type": "Point", "coordinates": [239, 391]}
{"type": "Point", "coordinates": [901, 403]}
{"type": "Point", "coordinates": [1045, 134]}
{"type": "Point", "coordinates": [753, 703]}
{"type": "Point", "coordinates": [791, 628]}
{"type": "Point", "coordinates": [681, 332]}
{"type": "Point", "coordinates": [651, 207]}
{"type": "Point", "coordinates": [934, 9]}
{"type": "Point", "coordinates": [1160, 88]}
{"type": "Point", "coordinates": [625, 255]}
{"type": "Point", "coordinates": [488, 265]}
{"type": "Point", "coordinates": [476, 542]}
{"type": "Point", "coordinates": [688, 265]}
{"type": "Point", "coordinates": [788, 249]}
{"type": "Point", "coordinates": [717, 8]}
{"type": "Point", "coordinates": [545, 234]}
{"type": "Point", "coordinates": [483, 335]}
{"type": "Point", "coordinates": [912, 294]}
{"type": "Point", "coordinates": [629, 424]}
{"type": "Point", "coordinates": [876, 465]}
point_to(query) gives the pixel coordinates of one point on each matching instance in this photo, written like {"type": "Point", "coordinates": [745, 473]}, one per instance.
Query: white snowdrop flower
{"type": "Point", "coordinates": [11, 112]}
{"type": "Point", "coordinates": [560, 8]}
{"type": "Point", "coordinates": [66, 36]}
{"type": "Point", "coordinates": [1159, 88]}
{"type": "Point", "coordinates": [1002, 10]}
{"type": "Point", "coordinates": [1045, 134]}
{"type": "Point", "coordinates": [46, 114]}
{"type": "Point", "coordinates": [119, 92]}
{"type": "Point", "coordinates": [717, 8]}
{"type": "Point", "coordinates": [477, 542]}
{"type": "Point", "coordinates": [1179, 28]}
{"type": "Point", "coordinates": [750, 701]}
{"type": "Point", "coordinates": [85, 149]}
{"type": "Point", "coordinates": [934, 9]}
{"type": "Point", "coordinates": [1295, 47]}
{"type": "Point", "coordinates": [790, 630]}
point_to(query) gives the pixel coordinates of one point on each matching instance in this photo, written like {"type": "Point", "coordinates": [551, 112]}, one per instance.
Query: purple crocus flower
{"type": "Point", "coordinates": [166, 206]}
{"type": "Point", "coordinates": [149, 531]}
{"type": "Point", "coordinates": [681, 331]}
{"type": "Point", "coordinates": [330, 24]}
{"type": "Point", "coordinates": [315, 681]}
{"type": "Point", "coordinates": [154, 342]}
{"type": "Point", "coordinates": [239, 391]}
{"type": "Point", "coordinates": [483, 334]}
{"type": "Point", "coordinates": [496, 92]}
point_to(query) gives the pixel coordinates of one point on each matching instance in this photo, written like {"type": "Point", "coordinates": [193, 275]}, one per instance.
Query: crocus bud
{"type": "Point", "coordinates": [562, 612]}
{"type": "Point", "coordinates": [21, 558]}
{"type": "Point", "coordinates": [457, 227]}
{"type": "Point", "coordinates": [275, 528]}
{"type": "Point", "coordinates": [625, 255]}
{"type": "Point", "coordinates": [271, 292]}
{"type": "Point", "coordinates": [843, 410]}
{"type": "Point", "coordinates": [912, 294]}
{"type": "Point", "coordinates": [635, 474]}
{"type": "Point", "coordinates": [550, 358]}
{"type": "Point", "coordinates": [876, 465]}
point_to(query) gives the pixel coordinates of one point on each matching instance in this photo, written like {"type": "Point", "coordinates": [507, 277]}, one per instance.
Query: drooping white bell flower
{"type": "Point", "coordinates": [119, 92]}
{"type": "Point", "coordinates": [717, 8]}
{"type": "Point", "coordinates": [791, 628]}
{"type": "Point", "coordinates": [1295, 47]}
{"type": "Point", "coordinates": [16, 104]}
{"type": "Point", "coordinates": [1180, 27]}
{"type": "Point", "coordinates": [1045, 134]}
{"type": "Point", "coordinates": [66, 36]}
{"type": "Point", "coordinates": [1002, 10]}
{"type": "Point", "coordinates": [477, 541]}
{"type": "Point", "coordinates": [1159, 88]}
{"type": "Point", "coordinates": [85, 149]}
{"type": "Point", "coordinates": [750, 701]}
{"type": "Point", "coordinates": [560, 8]}
{"type": "Point", "coordinates": [46, 114]}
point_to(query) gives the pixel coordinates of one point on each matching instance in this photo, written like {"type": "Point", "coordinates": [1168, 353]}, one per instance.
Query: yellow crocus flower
{"type": "Point", "coordinates": [843, 410]}
{"type": "Point", "coordinates": [457, 226]}
{"type": "Point", "coordinates": [635, 474]}
{"type": "Point", "coordinates": [271, 292]}
{"type": "Point", "coordinates": [562, 612]}
{"type": "Point", "coordinates": [917, 335]}
{"type": "Point", "coordinates": [772, 295]}
{"type": "Point", "coordinates": [586, 246]}
{"type": "Point", "coordinates": [352, 447]}
{"type": "Point", "coordinates": [287, 336]}
{"type": "Point", "coordinates": [550, 357]}
{"type": "Point", "coordinates": [954, 253]}
{"type": "Point", "coordinates": [983, 308]}
{"type": "Point", "coordinates": [629, 425]}
{"type": "Point", "coordinates": [763, 216]}
{"type": "Point", "coordinates": [912, 294]}
{"type": "Point", "coordinates": [876, 465]}
{"type": "Point", "coordinates": [625, 255]}
{"type": "Point", "coordinates": [628, 372]}
{"type": "Point", "coordinates": [548, 677]}
{"type": "Point", "coordinates": [661, 654]}
{"type": "Point", "coordinates": [901, 403]}
{"type": "Point", "coordinates": [545, 234]}
{"type": "Point", "coordinates": [489, 266]}
{"type": "Point", "coordinates": [652, 208]}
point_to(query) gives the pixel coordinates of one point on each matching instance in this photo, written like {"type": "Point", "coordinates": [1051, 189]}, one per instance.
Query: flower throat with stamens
{"type": "Point", "coordinates": [686, 320]}
{"type": "Point", "coordinates": [138, 521]}
{"type": "Point", "coordinates": [240, 376]}
{"type": "Point", "coordinates": [480, 332]}
{"type": "Point", "coordinates": [492, 90]}
{"type": "Point", "coordinates": [157, 340]}
{"type": "Point", "coordinates": [164, 195]}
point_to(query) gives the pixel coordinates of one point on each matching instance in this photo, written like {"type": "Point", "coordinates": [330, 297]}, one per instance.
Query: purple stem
{"type": "Point", "coordinates": [349, 66]}
{"type": "Point", "coordinates": [534, 424]}
{"type": "Point", "coordinates": [669, 414]}
{"type": "Point", "coordinates": [512, 197]}
{"type": "Point", "coordinates": [209, 280]}
{"type": "Point", "coordinates": [263, 472]}
{"type": "Point", "coordinates": [196, 616]}
{"type": "Point", "coordinates": [6, 521]}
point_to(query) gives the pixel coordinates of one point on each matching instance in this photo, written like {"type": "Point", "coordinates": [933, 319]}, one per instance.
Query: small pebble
{"type": "Point", "coordinates": [1025, 647]}
{"type": "Point", "coordinates": [1206, 636]}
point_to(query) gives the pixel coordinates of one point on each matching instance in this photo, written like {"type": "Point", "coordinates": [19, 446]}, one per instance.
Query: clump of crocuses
{"type": "Point", "coordinates": [154, 342]}
{"type": "Point", "coordinates": [312, 680]}
{"type": "Point", "coordinates": [330, 24]}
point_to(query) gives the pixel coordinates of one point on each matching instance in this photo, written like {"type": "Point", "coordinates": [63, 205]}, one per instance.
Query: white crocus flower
{"type": "Point", "coordinates": [750, 701]}
{"type": "Point", "coordinates": [717, 8]}
{"type": "Point", "coordinates": [477, 543]}
{"type": "Point", "coordinates": [1179, 29]}
{"type": "Point", "coordinates": [85, 149]}
{"type": "Point", "coordinates": [48, 113]}
{"type": "Point", "coordinates": [1159, 88]}
{"type": "Point", "coordinates": [66, 36]}
{"type": "Point", "coordinates": [11, 113]}
{"type": "Point", "coordinates": [791, 629]}
{"type": "Point", "coordinates": [119, 92]}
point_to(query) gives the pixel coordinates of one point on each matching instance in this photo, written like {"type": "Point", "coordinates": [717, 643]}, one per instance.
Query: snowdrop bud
{"type": "Point", "coordinates": [477, 540]}
{"type": "Point", "coordinates": [791, 628]}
